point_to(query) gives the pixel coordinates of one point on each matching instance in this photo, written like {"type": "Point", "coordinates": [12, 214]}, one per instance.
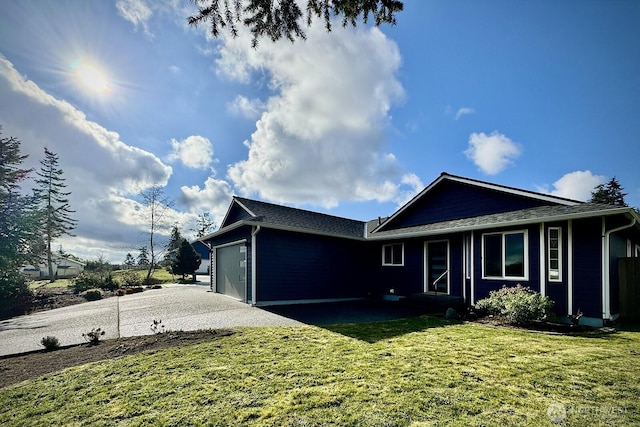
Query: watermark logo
{"type": "Point", "coordinates": [557, 412]}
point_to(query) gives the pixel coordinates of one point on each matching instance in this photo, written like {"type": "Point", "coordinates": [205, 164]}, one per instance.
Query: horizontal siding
{"type": "Point", "coordinates": [294, 266]}
{"type": "Point", "coordinates": [454, 200]}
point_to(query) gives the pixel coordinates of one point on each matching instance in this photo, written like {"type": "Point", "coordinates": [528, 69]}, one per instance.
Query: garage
{"type": "Point", "coordinates": [231, 270]}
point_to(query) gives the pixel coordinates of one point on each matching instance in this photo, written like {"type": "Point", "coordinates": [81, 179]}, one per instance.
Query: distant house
{"type": "Point", "coordinates": [203, 251]}
{"type": "Point", "coordinates": [62, 268]}
{"type": "Point", "coordinates": [459, 237]}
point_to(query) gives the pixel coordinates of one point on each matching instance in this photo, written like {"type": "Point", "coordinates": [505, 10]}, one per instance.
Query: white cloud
{"type": "Point", "coordinates": [101, 171]}
{"type": "Point", "coordinates": [464, 111]}
{"type": "Point", "coordinates": [576, 185]}
{"type": "Point", "coordinates": [195, 152]}
{"type": "Point", "coordinates": [321, 136]}
{"type": "Point", "coordinates": [245, 107]}
{"type": "Point", "coordinates": [492, 153]}
{"type": "Point", "coordinates": [414, 184]}
{"type": "Point", "coordinates": [137, 12]}
{"type": "Point", "coordinates": [213, 198]}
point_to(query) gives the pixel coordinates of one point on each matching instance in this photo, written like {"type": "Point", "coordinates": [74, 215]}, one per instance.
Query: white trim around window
{"type": "Point", "coordinates": [393, 255]}
{"type": "Point", "coordinates": [505, 255]}
{"type": "Point", "coordinates": [554, 254]}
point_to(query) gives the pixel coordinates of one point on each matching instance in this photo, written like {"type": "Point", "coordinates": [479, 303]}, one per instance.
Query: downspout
{"type": "Point", "coordinates": [606, 273]}
{"type": "Point", "coordinates": [254, 286]}
{"type": "Point", "coordinates": [210, 264]}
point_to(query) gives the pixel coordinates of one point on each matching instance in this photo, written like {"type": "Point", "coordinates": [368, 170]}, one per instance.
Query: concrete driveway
{"type": "Point", "coordinates": [180, 307]}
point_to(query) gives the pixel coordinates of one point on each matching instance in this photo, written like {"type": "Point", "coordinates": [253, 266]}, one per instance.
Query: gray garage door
{"type": "Point", "coordinates": [231, 271]}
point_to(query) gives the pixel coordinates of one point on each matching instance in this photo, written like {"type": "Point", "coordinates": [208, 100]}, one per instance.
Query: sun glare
{"type": "Point", "coordinates": [92, 79]}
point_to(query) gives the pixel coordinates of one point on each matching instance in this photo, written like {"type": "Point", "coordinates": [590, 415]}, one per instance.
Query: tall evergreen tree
{"type": "Point", "coordinates": [55, 210]}
{"type": "Point", "coordinates": [143, 257]}
{"type": "Point", "coordinates": [187, 260]}
{"type": "Point", "coordinates": [173, 246]}
{"type": "Point", "coordinates": [610, 193]}
{"type": "Point", "coordinates": [18, 227]}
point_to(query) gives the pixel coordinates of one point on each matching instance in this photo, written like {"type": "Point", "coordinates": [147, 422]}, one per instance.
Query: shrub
{"type": "Point", "coordinates": [130, 279]}
{"type": "Point", "coordinates": [85, 281]}
{"type": "Point", "coordinates": [92, 294]}
{"type": "Point", "coordinates": [50, 343]}
{"type": "Point", "coordinates": [15, 295]}
{"type": "Point", "coordinates": [93, 336]}
{"type": "Point", "coordinates": [519, 304]}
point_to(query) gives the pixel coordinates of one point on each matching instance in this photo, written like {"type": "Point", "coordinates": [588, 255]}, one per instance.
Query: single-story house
{"type": "Point", "coordinates": [458, 237]}
{"type": "Point", "coordinates": [62, 268]}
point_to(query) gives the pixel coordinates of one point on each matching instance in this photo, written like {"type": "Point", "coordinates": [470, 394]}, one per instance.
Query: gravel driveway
{"type": "Point", "coordinates": [180, 307]}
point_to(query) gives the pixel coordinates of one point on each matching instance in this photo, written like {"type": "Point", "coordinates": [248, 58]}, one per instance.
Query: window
{"type": "Point", "coordinates": [554, 254]}
{"type": "Point", "coordinates": [393, 254]}
{"type": "Point", "coordinates": [637, 250]}
{"type": "Point", "coordinates": [505, 255]}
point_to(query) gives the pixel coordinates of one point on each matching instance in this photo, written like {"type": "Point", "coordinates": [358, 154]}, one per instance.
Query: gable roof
{"type": "Point", "coordinates": [512, 191]}
{"type": "Point", "coordinates": [286, 218]}
{"type": "Point", "coordinates": [513, 218]}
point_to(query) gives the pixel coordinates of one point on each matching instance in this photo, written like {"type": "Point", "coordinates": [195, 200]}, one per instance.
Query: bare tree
{"type": "Point", "coordinates": [157, 205]}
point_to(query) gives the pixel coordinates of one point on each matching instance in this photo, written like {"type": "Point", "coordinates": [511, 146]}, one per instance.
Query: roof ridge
{"type": "Point", "coordinates": [281, 206]}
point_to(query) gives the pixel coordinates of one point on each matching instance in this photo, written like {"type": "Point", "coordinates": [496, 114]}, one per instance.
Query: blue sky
{"type": "Point", "coordinates": [543, 96]}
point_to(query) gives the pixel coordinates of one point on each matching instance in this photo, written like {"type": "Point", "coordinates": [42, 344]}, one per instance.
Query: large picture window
{"type": "Point", "coordinates": [393, 254]}
{"type": "Point", "coordinates": [505, 255]}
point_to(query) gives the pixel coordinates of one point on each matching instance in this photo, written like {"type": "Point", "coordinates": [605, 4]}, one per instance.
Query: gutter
{"type": "Point", "coordinates": [606, 268]}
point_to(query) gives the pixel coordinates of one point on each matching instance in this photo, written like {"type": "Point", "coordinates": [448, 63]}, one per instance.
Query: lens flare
{"type": "Point", "coordinates": [92, 78]}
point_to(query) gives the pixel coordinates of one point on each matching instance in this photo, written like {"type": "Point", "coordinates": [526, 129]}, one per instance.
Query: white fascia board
{"type": "Point", "coordinates": [480, 184]}
{"type": "Point", "coordinates": [516, 223]}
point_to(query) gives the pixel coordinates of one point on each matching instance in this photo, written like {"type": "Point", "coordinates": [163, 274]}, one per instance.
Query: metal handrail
{"type": "Point", "coordinates": [438, 279]}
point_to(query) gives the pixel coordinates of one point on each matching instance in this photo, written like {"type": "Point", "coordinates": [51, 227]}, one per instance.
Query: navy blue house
{"type": "Point", "coordinates": [458, 237]}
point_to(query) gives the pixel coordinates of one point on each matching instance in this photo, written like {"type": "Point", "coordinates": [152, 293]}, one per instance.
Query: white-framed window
{"type": "Point", "coordinates": [393, 254]}
{"type": "Point", "coordinates": [554, 254]}
{"type": "Point", "coordinates": [505, 255]}
{"type": "Point", "coordinates": [637, 251]}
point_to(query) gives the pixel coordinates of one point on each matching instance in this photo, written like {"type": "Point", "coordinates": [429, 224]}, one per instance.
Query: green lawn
{"type": "Point", "coordinates": [415, 372]}
{"type": "Point", "coordinates": [42, 284]}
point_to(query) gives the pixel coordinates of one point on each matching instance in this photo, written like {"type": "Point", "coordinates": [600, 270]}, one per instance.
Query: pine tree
{"type": "Point", "coordinates": [172, 248]}
{"type": "Point", "coordinates": [187, 260]}
{"type": "Point", "coordinates": [129, 261]}
{"type": "Point", "coordinates": [281, 18]}
{"type": "Point", "coordinates": [143, 257]}
{"type": "Point", "coordinates": [55, 211]}
{"type": "Point", "coordinates": [610, 193]}
{"type": "Point", "coordinates": [204, 225]}
{"type": "Point", "coordinates": [18, 227]}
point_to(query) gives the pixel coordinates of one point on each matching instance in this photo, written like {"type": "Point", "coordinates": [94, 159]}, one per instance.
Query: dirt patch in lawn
{"type": "Point", "coordinates": [17, 368]}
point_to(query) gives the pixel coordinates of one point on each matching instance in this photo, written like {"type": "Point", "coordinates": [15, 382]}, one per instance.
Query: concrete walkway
{"type": "Point", "coordinates": [180, 307]}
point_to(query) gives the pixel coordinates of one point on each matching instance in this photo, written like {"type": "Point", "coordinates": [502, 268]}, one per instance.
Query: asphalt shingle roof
{"type": "Point", "coordinates": [523, 216]}
{"type": "Point", "coordinates": [277, 215]}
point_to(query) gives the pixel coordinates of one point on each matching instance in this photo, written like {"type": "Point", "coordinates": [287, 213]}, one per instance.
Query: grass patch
{"type": "Point", "coordinates": [413, 372]}
{"type": "Point", "coordinates": [160, 275]}
{"type": "Point", "coordinates": [45, 284]}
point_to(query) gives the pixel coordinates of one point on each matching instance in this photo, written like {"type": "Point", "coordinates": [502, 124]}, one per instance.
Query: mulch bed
{"type": "Point", "coordinates": [17, 368]}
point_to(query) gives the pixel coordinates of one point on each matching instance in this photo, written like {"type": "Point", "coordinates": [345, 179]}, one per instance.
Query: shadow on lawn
{"type": "Point", "coordinates": [369, 321]}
